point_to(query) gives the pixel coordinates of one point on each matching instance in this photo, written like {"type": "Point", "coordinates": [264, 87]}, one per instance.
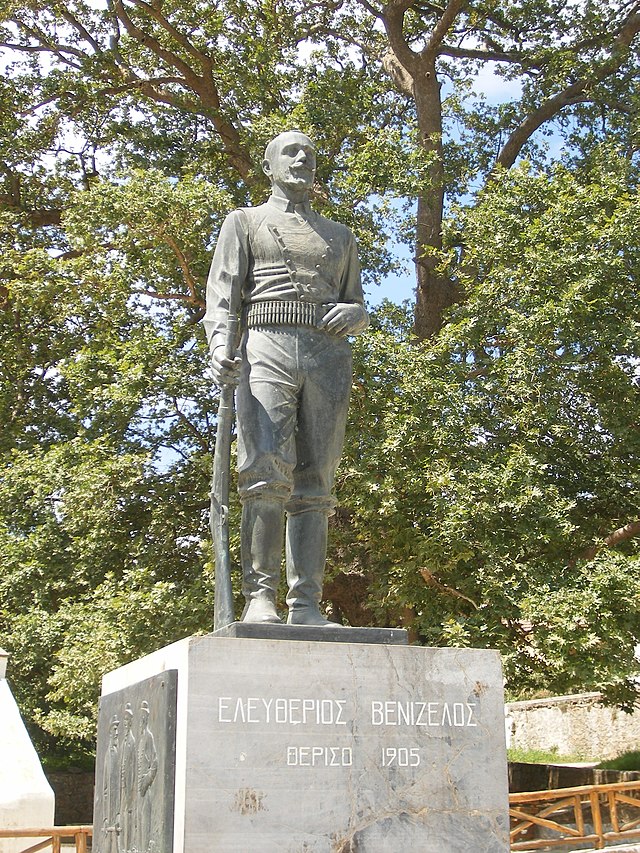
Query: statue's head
{"type": "Point", "coordinates": [290, 161]}
{"type": "Point", "coordinates": [114, 725]}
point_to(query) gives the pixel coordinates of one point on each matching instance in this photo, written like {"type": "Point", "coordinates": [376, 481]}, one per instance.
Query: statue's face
{"type": "Point", "coordinates": [291, 162]}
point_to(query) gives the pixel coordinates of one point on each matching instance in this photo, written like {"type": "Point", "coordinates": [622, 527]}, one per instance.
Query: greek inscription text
{"type": "Point", "coordinates": [391, 713]}
{"type": "Point", "coordinates": [319, 756]}
{"type": "Point", "coordinates": [400, 756]}
{"type": "Point", "coordinates": [288, 712]}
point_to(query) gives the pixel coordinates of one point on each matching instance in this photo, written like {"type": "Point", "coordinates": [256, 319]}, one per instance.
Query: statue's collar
{"type": "Point", "coordinates": [288, 206]}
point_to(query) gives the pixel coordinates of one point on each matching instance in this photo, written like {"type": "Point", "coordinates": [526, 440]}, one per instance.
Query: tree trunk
{"type": "Point", "coordinates": [434, 292]}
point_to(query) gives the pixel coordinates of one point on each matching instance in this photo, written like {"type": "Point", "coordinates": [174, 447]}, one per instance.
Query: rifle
{"type": "Point", "coordinates": [219, 514]}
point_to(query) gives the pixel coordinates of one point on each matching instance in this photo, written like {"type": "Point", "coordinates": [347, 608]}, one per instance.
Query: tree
{"type": "Point", "coordinates": [576, 62]}
{"type": "Point", "coordinates": [493, 477]}
{"type": "Point", "coordinates": [102, 534]}
{"type": "Point", "coordinates": [470, 510]}
{"type": "Point", "coordinates": [564, 58]}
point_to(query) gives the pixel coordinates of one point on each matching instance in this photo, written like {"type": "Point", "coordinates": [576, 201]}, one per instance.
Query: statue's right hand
{"type": "Point", "coordinates": [226, 371]}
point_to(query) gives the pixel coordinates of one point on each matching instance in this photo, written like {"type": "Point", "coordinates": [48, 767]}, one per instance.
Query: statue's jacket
{"type": "Point", "coordinates": [276, 261]}
{"type": "Point", "coordinates": [281, 268]}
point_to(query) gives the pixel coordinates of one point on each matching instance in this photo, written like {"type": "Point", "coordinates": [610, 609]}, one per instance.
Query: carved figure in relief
{"type": "Point", "coordinates": [147, 768]}
{"type": "Point", "coordinates": [295, 277]}
{"type": "Point", "coordinates": [111, 791]}
{"type": "Point", "coordinates": [128, 782]}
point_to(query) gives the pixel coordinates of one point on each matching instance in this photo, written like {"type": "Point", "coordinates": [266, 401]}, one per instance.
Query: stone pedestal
{"type": "Point", "coordinates": [323, 747]}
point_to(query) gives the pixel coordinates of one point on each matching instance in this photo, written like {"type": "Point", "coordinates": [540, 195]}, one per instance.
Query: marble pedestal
{"type": "Point", "coordinates": [306, 747]}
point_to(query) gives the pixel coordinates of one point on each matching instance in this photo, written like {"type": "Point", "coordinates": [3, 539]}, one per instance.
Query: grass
{"type": "Point", "coordinates": [542, 756]}
{"type": "Point", "coordinates": [626, 761]}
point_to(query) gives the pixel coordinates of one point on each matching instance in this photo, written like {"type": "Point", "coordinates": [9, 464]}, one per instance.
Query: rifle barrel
{"type": "Point", "coordinates": [223, 611]}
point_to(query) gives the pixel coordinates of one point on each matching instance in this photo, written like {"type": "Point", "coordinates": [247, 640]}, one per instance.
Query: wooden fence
{"type": "Point", "coordinates": [52, 837]}
{"type": "Point", "coordinates": [595, 813]}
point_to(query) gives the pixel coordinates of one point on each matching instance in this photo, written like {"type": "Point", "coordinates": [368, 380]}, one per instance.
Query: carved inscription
{"type": "Point", "coordinates": [401, 756]}
{"type": "Point", "coordinates": [319, 756]}
{"type": "Point", "coordinates": [286, 712]}
{"type": "Point", "coordinates": [391, 713]}
{"type": "Point", "coordinates": [333, 712]}
{"type": "Point", "coordinates": [308, 712]}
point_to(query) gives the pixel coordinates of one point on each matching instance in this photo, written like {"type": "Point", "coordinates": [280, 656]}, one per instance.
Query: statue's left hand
{"type": "Point", "coordinates": [344, 318]}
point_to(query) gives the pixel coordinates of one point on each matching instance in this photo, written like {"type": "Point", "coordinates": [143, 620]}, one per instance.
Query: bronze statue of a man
{"type": "Point", "coordinates": [296, 278]}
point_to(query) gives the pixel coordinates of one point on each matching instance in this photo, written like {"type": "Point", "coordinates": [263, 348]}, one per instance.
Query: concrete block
{"type": "Point", "coordinates": [326, 747]}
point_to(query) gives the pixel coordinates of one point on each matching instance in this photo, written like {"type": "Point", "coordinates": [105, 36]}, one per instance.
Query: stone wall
{"type": "Point", "coordinates": [573, 725]}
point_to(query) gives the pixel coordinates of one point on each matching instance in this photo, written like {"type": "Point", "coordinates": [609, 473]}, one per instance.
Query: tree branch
{"type": "Point", "coordinates": [138, 83]}
{"type": "Point", "coordinates": [180, 38]}
{"type": "Point", "coordinates": [153, 44]}
{"type": "Point", "coordinates": [44, 103]}
{"type": "Point", "coordinates": [184, 266]}
{"type": "Point", "coordinates": [86, 35]}
{"type": "Point", "coordinates": [393, 20]}
{"type": "Point", "coordinates": [629, 30]}
{"type": "Point", "coordinates": [398, 73]}
{"type": "Point", "coordinates": [27, 48]}
{"type": "Point", "coordinates": [38, 217]}
{"type": "Point", "coordinates": [575, 93]}
{"type": "Point", "coordinates": [431, 580]}
{"type": "Point", "coordinates": [57, 49]}
{"type": "Point", "coordinates": [175, 297]}
{"type": "Point", "coordinates": [114, 38]}
{"type": "Point", "coordinates": [201, 439]}
{"type": "Point", "coordinates": [622, 534]}
{"type": "Point", "coordinates": [451, 12]}
{"type": "Point", "coordinates": [371, 9]}
{"type": "Point", "coordinates": [485, 55]}
{"type": "Point", "coordinates": [203, 86]}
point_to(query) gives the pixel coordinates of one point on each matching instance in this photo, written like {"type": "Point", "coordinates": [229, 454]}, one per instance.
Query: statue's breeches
{"type": "Point", "coordinates": [292, 406]}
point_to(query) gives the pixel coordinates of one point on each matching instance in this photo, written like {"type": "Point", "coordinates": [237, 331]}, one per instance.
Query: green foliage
{"type": "Point", "coordinates": [626, 761]}
{"type": "Point", "coordinates": [481, 467]}
{"type": "Point", "coordinates": [106, 443]}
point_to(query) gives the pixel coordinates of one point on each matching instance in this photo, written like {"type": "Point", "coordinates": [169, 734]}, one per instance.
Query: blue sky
{"type": "Point", "coordinates": [396, 287]}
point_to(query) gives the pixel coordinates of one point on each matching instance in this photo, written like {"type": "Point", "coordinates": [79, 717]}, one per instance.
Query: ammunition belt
{"type": "Point", "coordinates": [277, 312]}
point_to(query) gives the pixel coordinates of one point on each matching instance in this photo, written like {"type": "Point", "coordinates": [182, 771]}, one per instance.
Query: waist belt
{"type": "Point", "coordinates": [274, 312]}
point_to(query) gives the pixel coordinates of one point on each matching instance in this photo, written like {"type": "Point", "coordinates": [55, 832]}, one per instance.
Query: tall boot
{"type": "Point", "coordinates": [261, 534]}
{"type": "Point", "coordinates": [306, 555]}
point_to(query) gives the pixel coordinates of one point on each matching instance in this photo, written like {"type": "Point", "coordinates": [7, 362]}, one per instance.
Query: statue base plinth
{"type": "Point", "coordinates": [285, 744]}
{"type": "Point", "coordinates": [324, 634]}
